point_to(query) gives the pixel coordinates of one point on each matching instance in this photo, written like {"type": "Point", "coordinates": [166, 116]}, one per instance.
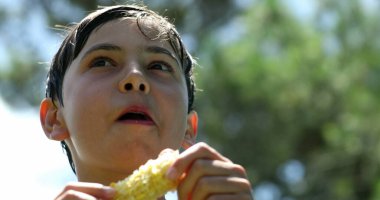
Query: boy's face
{"type": "Point", "coordinates": [125, 99]}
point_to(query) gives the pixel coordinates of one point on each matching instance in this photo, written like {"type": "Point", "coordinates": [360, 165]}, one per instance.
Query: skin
{"type": "Point", "coordinates": [112, 75]}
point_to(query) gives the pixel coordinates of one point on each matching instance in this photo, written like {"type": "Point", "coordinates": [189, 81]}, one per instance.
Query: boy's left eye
{"type": "Point", "coordinates": [161, 66]}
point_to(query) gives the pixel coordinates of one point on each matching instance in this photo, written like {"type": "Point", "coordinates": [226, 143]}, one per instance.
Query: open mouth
{"type": "Point", "coordinates": [136, 118]}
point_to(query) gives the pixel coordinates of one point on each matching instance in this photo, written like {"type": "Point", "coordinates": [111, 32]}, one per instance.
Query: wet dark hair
{"type": "Point", "coordinates": [148, 22]}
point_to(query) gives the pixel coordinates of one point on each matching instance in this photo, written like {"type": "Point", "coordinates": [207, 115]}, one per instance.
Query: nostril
{"type": "Point", "coordinates": [128, 86]}
{"type": "Point", "coordinates": [142, 87]}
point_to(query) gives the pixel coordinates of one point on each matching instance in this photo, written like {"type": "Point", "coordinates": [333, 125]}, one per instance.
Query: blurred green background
{"type": "Point", "coordinates": [289, 89]}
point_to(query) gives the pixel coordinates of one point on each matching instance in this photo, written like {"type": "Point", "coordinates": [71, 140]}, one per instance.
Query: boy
{"type": "Point", "coordinates": [119, 91]}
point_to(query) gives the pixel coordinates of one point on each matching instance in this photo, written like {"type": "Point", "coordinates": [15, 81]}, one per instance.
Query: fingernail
{"type": "Point", "coordinates": [172, 174]}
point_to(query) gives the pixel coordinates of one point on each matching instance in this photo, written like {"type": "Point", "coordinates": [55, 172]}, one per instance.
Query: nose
{"type": "Point", "coordinates": [134, 81]}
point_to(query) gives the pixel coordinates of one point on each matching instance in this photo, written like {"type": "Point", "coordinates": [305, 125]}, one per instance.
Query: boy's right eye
{"type": "Point", "coordinates": [102, 62]}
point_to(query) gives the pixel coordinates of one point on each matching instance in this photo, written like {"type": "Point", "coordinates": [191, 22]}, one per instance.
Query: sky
{"type": "Point", "coordinates": [32, 166]}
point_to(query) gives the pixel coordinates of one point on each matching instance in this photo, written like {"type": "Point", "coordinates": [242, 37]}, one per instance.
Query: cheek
{"type": "Point", "coordinates": [172, 104]}
{"type": "Point", "coordinates": [174, 98]}
{"type": "Point", "coordinates": [82, 105]}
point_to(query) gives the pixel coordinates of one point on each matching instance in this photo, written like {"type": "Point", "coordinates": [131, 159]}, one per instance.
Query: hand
{"type": "Point", "coordinates": [206, 174]}
{"type": "Point", "coordinates": [86, 191]}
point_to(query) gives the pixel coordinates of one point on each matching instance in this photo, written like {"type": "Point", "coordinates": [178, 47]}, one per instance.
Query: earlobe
{"type": "Point", "coordinates": [191, 131]}
{"type": "Point", "coordinates": [51, 122]}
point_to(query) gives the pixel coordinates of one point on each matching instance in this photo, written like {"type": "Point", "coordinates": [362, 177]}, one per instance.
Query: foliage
{"type": "Point", "coordinates": [283, 92]}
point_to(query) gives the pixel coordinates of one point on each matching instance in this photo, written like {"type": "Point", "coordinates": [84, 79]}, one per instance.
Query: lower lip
{"type": "Point", "coordinates": [138, 122]}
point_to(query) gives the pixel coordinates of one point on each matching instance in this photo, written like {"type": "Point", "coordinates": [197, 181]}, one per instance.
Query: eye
{"type": "Point", "coordinates": [161, 66]}
{"type": "Point", "coordinates": [102, 62]}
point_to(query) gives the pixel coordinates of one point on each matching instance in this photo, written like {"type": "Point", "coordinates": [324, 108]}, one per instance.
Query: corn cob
{"type": "Point", "coordinates": [149, 181]}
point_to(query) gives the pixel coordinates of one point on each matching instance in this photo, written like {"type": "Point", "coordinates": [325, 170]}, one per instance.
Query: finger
{"type": "Point", "coordinates": [231, 197]}
{"type": "Point", "coordinates": [75, 195]}
{"type": "Point", "coordinates": [93, 189]}
{"type": "Point", "coordinates": [217, 185]}
{"type": "Point", "coordinates": [197, 151]}
{"type": "Point", "coordinates": [202, 167]}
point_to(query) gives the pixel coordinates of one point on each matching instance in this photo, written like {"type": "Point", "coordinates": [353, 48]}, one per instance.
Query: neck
{"type": "Point", "coordinates": [103, 176]}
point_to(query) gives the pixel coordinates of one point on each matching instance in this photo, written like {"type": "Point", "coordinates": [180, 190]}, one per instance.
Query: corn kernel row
{"type": "Point", "coordinates": [148, 182]}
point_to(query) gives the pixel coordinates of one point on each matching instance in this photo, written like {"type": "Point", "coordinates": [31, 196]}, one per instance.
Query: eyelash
{"type": "Point", "coordinates": [169, 68]}
{"type": "Point", "coordinates": [111, 63]}
{"type": "Point", "coordinates": [96, 61]}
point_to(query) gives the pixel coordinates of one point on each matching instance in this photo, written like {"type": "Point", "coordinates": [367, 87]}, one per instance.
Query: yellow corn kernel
{"type": "Point", "coordinates": [149, 181]}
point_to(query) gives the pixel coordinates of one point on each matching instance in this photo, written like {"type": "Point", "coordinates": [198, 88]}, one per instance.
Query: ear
{"type": "Point", "coordinates": [51, 121]}
{"type": "Point", "coordinates": [191, 131]}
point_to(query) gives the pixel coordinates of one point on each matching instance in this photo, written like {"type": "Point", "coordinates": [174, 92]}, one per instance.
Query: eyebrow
{"type": "Point", "coordinates": [107, 47]}
{"type": "Point", "coordinates": [160, 50]}
{"type": "Point", "coordinates": [112, 47]}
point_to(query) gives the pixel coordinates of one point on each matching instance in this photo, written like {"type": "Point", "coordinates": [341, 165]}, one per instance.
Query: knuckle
{"type": "Point", "coordinates": [70, 194]}
{"type": "Point", "coordinates": [239, 169]}
{"type": "Point", "coordinates": [199, 164]}
{"type": "Point", "coordinates": [243, 183]}
{"type": "Point", "coordinates": [247, 185]}
{"type": "Point", "coordinates": [68, 187]}
{"type": "Point", "coordinates": [203, 146]}
{"type": "Point", "coordinates": [204, 183]}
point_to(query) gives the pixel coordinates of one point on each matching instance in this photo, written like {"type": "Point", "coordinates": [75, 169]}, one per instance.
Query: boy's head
{"type": "Point", "coordinates": [120, 85]}
{"type": "Point", "coordinates": [78, 35]}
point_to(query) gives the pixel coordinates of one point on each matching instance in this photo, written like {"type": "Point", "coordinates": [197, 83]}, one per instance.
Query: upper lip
{"type": "Point", "coordinates": [136, 109]}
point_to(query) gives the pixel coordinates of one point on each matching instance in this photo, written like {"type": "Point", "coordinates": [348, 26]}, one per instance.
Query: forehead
{"type": "Point", "coordinates": [131, 31]}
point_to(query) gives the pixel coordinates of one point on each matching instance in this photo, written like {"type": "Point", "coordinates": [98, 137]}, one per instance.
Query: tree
{"type": "Point", "coordinates": [288, 97]}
